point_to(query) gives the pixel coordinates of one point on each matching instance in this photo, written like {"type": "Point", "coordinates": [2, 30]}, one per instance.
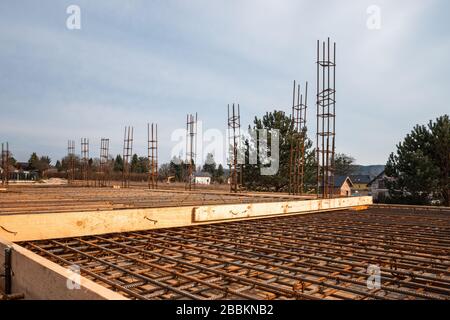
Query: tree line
{"type": "Point", "coordinates": [417, 172]}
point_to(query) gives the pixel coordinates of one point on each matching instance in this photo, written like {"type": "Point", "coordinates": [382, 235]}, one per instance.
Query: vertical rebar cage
{"type": "Point", "coordinates": [103, 178]}
{"type": "Point", "coordinates": [298, 137]}
{"type": "Point", "coordinates": [85, 174]}
{"type": "Point", "coordinates": [234, 144]}
{"type": "Point", "coordinates": [127, 153]}
{"type": "Point", "coordinates": [70, 161]}
{"type": "Point", "coordinates": [152, 148]}
{"type": "Point", "coordinates": [326, 118]}
{"type": "Point", "coordinates": [5, 163]}
{"type": "Point", "coordinates": [191, 150]}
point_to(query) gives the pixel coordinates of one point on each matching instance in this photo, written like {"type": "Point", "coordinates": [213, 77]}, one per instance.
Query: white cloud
{"type": "Point", "coordinates": [160, 60]}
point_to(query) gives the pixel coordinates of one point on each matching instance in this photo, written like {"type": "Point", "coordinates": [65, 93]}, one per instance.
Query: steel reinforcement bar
{"type": "Point", "coordinates": [320, 256]}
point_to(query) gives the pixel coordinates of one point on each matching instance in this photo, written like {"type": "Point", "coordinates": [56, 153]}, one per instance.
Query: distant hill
{"type": "Point", "coordinates": [371, 170]}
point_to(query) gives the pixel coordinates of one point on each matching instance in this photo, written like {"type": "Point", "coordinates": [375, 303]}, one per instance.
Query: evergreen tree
{"type": "Point", "coordinates": [343, 164]}
{"type": "Point", "coordinates": [33, 161]}
{"type": "Point", "coordinates": [253, 179]}
{"type": "Point", "coordinates": [135, 163]}
{"type": "Point", "coordinates": [210, 165]}
{"type": "Point", "coordinates": [419, 170]}
{"type": "Point", "coordinates": [177, 169]}
{"type": "Point", "coordinates": [42, 165]}
{"type": "Point", "coordinates": [58, 165]}
{"type": "Point", "coordinates": [118, 163]}
{"type": "Point", "coordinates": [220, 174]}
{"type": "Point", "coordinates": [143, 165]}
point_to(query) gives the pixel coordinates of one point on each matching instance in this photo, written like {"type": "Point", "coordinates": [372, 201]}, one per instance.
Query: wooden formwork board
{"type": "Point", "coordinates": [40, 279]}
{"type": "Point", "coordinates": [226, 212]}
{"type": "Point", "coordinates": [28, 227]}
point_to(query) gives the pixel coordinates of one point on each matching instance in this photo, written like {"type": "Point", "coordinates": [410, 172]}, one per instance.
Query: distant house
{"type": "Point", "coordinates": [202, 178]}
{"type": "Point", "coordinates": [377, 187]}
{"type": "Point", "coordinates": [21, 172]}
{"type": "Point", "coordinates": [343, 186]}
{"type": "Point", "coordinates": [25, 166]}
{"type": "Point", "coordinates": [360, 182]}
{"type": "Point", "coordinates": [23, 175]}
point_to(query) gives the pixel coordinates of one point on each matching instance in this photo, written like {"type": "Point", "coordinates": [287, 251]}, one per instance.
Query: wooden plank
{"type": "Point", "coordinates": [27, 227]}
{"type": "Point", "coordinates": [39, 278]}
{"type": "Point", "coordinates": [226, 212]}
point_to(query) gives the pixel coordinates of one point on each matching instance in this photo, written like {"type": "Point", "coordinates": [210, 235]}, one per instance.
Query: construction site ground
{"type": "Point", "coordinates": [313, 255]}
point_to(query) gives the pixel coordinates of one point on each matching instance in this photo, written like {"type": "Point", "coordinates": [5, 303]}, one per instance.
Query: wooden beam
{"type": "Point", "coordinates": [39, 278]}
{"type": "Point", "coordinates": [226, 212]}
{"type": "Point", "coordinates": [28, 227]}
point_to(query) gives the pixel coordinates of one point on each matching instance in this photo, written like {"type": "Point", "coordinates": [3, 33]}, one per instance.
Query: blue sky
{"type": "Point", "coordinates": [135, 62]}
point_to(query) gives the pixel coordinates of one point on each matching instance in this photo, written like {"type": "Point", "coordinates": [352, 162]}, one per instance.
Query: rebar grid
{"type": "Point", "coordinates": [326, 118]}
{"type": "Point", "coordinates": [127, 154]}
{"type": "Point", "coordinates": [61, 199]}
{"type": "Point", "coordinates": [318, 256]}
{"type": "Point", "coordinates": [297, 150]}
{"type": "Point", "coordinates": [152, 148]}
{"type": "Point", "coordinates": [234, 145]}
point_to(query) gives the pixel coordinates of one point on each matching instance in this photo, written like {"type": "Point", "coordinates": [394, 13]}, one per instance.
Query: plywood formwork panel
{"type": "Point", "coordinates": [38, 278]}
{"type": "Point", "coordinates": [26, 227]}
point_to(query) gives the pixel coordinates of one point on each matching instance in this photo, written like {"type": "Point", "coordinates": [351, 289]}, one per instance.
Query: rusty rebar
{"type": "Point", "coordinates": [325, 101]}
{"type": "Point", "coordinates": [298, 138]}
{"type": "Point", "coordinates": [85, 163]}
{"type": "Point", "coordinates": [127, 154]}
{"type": "Point", "coordinates": [71, 161]}
{"type": "Point", "coordinates": [234, 148]}
{"type": "Point", "coordinates": [5, 164]}
{"type": "Point", "coordinates": [191, 150]}
{"type": "Point", "coordinates": [104, 170]}
{"type": "Point", "coordinates": [152, 149]}
{"type": "Point", "coordinates": [319, 256]}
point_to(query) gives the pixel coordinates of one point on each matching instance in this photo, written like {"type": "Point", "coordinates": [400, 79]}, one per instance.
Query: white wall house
{"type": "Point", "coordinates": [377, 187]}
{"type": "Point", "coordinates": [202, 178]}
